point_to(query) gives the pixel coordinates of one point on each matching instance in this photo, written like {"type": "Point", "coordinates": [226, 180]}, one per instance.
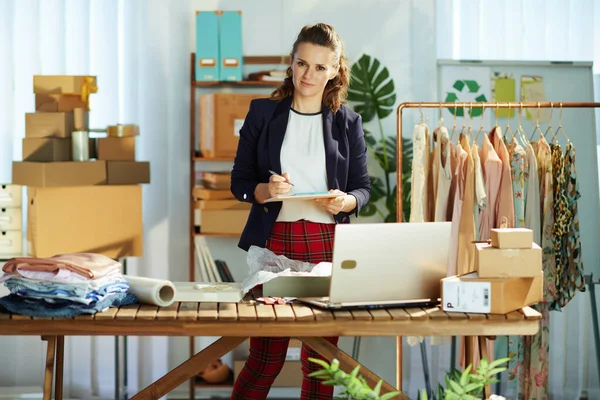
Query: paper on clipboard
{"type": "Point", "coordinates": [303, 196]}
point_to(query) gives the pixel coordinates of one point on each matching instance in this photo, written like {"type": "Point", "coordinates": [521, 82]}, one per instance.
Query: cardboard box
{"type": "Point", "coordinates": [470, 293]}
{"type": "Point", "coordinates": [120, 130]}
{"type": "Point", "coordinates": [207, 46]}
{"type": "Point", "coordinates": [46, 149]}
{"type": "Point", "coordinates": [116, 148]}
{"type": "Point", "coordinates": [62, 84]}
{"type": "Point", "coordinates": [11, 219]}
{"type": "Point", "coordinates": [211, 194]}
{"type": "Point", "coordinates": [230, 46]}
{"type": "Point", "coordinates": [58, 102]}
{"type": "Point", "coordinates": [97, 219]}
{"type": "Point", "coordinates": [298, 286]}
{"type": "Point", "coordinates": [127, 172]}
{"type": "Point", "coordinates": [491, 262]}
{"type": "Point", "coordinates": [511, 238]}
{"type": "Point", "coordinates": [62, 173]}
{"type": "Point", "coordinates": [223, 221]}
{"type": "Point", "coordinates": [216, 180]}
{"type": "Point", "coordinates": [221, 118]}
{"type": "Point", "coordinates": [290, 375]}
{"type": "Point", "coordinates": [41, 125]}
{"type": "Point", "coordinates": [11, 195]}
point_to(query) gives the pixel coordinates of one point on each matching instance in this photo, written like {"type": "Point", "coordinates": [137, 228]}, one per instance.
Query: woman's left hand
{"type": "Point", "coordinates": [342, 203]}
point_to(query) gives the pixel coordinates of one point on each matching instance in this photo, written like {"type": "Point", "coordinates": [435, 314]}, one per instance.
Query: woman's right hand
{"type": "Point", "coordinates": [278, 184]}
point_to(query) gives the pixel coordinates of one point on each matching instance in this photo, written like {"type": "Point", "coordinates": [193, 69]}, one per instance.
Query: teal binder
{"type": "Point", "coordinates": [230, 46]}
{"type": "Point", "coordinates": [207, 46]}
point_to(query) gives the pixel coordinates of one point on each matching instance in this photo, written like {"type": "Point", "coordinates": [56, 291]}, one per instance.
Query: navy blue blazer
{"type": "Point", "coordinates": [259, 147]}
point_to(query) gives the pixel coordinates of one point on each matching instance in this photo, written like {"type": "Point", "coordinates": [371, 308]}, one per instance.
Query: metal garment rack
{"type": "Point", "coordinates": [469, 105]}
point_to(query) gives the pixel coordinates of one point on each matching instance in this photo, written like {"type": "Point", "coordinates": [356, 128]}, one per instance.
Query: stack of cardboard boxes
{"type": "Point", "coordinates": [11, 221]}
{"type": "Point", "coordinates": [508, 276]}
{"type": "Point", "coordinates": [78, 206]}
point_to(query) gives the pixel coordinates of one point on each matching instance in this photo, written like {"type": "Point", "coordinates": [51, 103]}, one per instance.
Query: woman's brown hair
{"type": "Point", "coordinates": [336, 89]}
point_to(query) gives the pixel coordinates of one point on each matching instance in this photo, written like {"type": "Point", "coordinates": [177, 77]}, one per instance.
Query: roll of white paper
{"type": "Point", "coordinates": [152, 291]}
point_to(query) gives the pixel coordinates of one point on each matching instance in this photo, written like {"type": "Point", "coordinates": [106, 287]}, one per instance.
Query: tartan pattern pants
{"type": "Point", "coordinates": [304, 241]}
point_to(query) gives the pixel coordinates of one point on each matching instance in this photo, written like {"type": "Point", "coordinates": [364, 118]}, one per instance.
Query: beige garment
{"type": "Point", "coordinates": [506, 205]}
{"type": "Point", "coordinates": [420, 166]}
{"type": "Point", "coordinates": [492, 174]}
{"type": "Point", "coordinates": [88, 265]}
{"type": "Point", "coordinates": [434, 172]}
{"type": "Point", "coordinates": [452, 193]}
{"type": "Point", "coordinates": [443, 163]}
{"type": "Point", "coordinates": [480, 195]}
{"type": "Point", "coordinates": [462, 251]}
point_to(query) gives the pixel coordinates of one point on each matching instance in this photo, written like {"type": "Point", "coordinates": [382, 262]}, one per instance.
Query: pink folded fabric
{"type": "Point", "coordinates": [88, 265]}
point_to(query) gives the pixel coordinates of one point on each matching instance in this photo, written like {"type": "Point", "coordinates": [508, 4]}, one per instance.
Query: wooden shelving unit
{"type": "Point", "coordinates": [196, 157]}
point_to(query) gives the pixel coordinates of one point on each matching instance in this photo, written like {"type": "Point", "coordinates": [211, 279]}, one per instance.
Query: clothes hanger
{"type": "Point", "coordinates": [549, 129]}
{"type": "Point", "coordinates": [560, 127]}
{"type": "Point", "coordinates": [520, 130]}
{"type": "Point", "coordinates": [537, 125]}
{"type": "Point", "coordinates": [508, 128]}
{"type": "Point", "coordinates": [481, 128]}
{"type": "Point", "coordinates": [454, 126]}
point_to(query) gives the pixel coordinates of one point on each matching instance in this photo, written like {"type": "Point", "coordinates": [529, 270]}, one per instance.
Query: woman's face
{"type": "Point", "coordinates": [313, 66]}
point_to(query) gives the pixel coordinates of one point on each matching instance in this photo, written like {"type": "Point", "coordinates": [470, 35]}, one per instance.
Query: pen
{"type": "Point", "coordinates": [275, 173]}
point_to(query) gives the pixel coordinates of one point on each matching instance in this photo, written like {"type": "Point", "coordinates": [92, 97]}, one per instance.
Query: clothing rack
{"type": "Point", "coordinates": [470, 105]}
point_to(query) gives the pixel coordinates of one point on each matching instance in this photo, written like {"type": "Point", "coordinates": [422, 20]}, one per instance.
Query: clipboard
{"type": "Point", "coordinates": [302, 196]}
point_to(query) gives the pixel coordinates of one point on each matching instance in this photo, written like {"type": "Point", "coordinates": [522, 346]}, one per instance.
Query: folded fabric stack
{"type": "Point", "coordinates": [64, 286]}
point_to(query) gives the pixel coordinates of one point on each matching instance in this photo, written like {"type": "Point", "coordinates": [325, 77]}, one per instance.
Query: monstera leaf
{"type": "Point", "coordinates": [372, 87]}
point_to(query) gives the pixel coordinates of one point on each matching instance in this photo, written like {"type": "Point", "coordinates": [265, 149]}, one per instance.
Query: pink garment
{"type": "Point", "coordinates": [492, 174]}
{"type": "Point", "coordinates": [88, 265]}
{"type": "Point", "coordinates": [506, 205]}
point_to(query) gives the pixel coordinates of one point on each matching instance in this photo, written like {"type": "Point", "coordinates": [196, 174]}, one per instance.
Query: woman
{"type": "Point", "coordinates": [313, 143]}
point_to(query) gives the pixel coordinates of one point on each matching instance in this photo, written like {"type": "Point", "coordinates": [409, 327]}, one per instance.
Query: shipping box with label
{"type": "Point", "coordinates": [492, 262]}
{"type": "Point", "coordinates": [221, 118]}
{"type": "Point", "coordinates": [96, 219]}
{"type": "Point", "coordinates": [471, 294]}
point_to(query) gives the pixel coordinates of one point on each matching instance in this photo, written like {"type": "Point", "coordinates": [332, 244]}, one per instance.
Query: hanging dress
{"type": "Point", "coordinates": [443, 164]}
{"type": "Point", "coordinates": [505, 207]}
{"type": "Point", "coordinates": [480, 195]}
{"type": "Point", "coordinates": [420, 166]}
{"type": "Point", "coordinates": [492, 175]}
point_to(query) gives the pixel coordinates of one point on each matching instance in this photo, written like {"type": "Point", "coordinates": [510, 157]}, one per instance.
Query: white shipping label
{"type": "Point", "coordinates": [237, 125]}
{"type": "Point", "coordinates": [467, 296]}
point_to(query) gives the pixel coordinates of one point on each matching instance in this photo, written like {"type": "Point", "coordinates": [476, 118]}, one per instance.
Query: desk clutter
{"type": "Point", "coordinates": [508, 276]}
{"type": "Point", "coordinates": [82, 179]}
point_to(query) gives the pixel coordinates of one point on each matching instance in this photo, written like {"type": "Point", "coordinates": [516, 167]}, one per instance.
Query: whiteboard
{"type": "Point", "coordinates": [562, 81]}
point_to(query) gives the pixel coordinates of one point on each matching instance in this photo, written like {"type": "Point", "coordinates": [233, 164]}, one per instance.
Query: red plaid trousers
{"type": "Point", "coordinates": [300, 240]}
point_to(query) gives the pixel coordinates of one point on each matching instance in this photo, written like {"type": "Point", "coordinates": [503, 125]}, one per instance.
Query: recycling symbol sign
{"type": "Point", "coordinates": [465, 91]}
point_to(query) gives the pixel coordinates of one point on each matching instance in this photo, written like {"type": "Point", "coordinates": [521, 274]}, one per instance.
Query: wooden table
{"type": "Point", "coordinates": [237, 322]}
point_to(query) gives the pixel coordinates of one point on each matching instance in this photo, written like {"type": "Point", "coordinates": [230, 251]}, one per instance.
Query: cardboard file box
{"type": "Point", "coordinates": [46, 149]}
{"type": "Point", "coordinates": [230, 46]}
{"type": "Point", "coordinates": [216, 180]}
{"type": "Point", "coordinates": [63, 84]}
{"type": "Point", "coordinates": [470, 293]}
{"type": "Point", "coordinates": [11, 195]}
{"type": "Point", "coordinates": [223, 221]}
{"type": "Point", "coordinates": [52, 174]}
{"type": "Point", "coordinates": [221, 118]}
{"type": "Point", "coordinates": [11, 243]}
{"type": "Point", "coordinates": [116, 148]}
{"type": "Point", "coordinates": [58, 102]}
{"type": "Point", "coordinates": [44, 125]}
{"type": "Point", "coordinates": [96, 219]}
{"type": "Point", "coordinates": [511, 238]}
{"type": "Point", "coordinates": [207, 46]}
{"type": "Point", "coordinates": [492, 262]}
{"type": "Point", "coordinates": [218, 205]}
{"type": "Point", "coordinates": [127, 172]}
{"type": "Point", "coordinates": [11, 219]}
{"type": "Point", "coordinates": [200, 192]}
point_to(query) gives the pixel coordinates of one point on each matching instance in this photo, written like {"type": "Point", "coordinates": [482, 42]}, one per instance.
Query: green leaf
{"type": "Point", "coordinates": [495, 371]}
{"type": "Point", "coordinates": [464, 378]}
{"type": "Point", "coordinates": [498, 362]}
{"type": "Point", "coordinates": [456, 387]}
{"type": "Point", "coordinates": [483, 363]}
{"type": "Point", "coordinates": [377, 189]}
{"type": "Point", "coordinates": [354, 372]}
{"type": "Point", "coordinates": [369, 138]}
{"type": "Point", "coordinates": [423, 395]}
{"type": "Point", "coordinates": [368, 210]}
{"type": "Point", "coordinates": [389, 395]}
{"type": "Point", "coordinates": [319, 361]}
{"type": "Point", "coordinates": [377, 388]}
{"type": "Point", "coordinates": [386, 154]}
{"type": "Point", "coordinates": [390, 202]}
{"type": "Point", "coordinates": [452, 396]}
{"type": "Point", "coordinates": [372, 88]}
{"type": "Point", "coordinates": [330, 382]}
{"type": "Point", "coordinates": [390, 218]}
{"type": "Point", "coordinates": [469, 397]}
{"type": "Point", "coordinates": [320, 372]}
{"type": "Point", "coordinates": [471, 387]}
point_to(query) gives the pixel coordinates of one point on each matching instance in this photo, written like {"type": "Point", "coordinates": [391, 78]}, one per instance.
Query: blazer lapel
{"type": "Point", "coordinates": [276, 132]}
{"type": "Point", "coordinates": [330, 135]}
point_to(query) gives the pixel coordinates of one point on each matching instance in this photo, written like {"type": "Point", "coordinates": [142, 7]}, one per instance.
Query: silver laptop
{"type": "Point", "coordinates": [383, 265]}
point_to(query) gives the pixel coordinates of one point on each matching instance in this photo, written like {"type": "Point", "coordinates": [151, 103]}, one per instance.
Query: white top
{"type": "Point", "coordinates": [420, 163]}
{"type": "Point", "coordinates": [303, 157]}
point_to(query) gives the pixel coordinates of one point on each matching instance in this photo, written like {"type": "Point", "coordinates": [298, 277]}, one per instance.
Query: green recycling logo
{"type": "Point", "coordinates": [468, 88]}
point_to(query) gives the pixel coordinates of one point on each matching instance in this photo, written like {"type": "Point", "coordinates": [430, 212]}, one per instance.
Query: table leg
{"type": "Point", "coordinates": [58, 379]}
{"type": "Point", "coordinates": [399, 363]}
{"type": "Point", "coordinates": [189, 368]}
{"type": "Point", "coordinates": [49, 371]}
{"type": "Point", "coordinates": [347, 363]}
